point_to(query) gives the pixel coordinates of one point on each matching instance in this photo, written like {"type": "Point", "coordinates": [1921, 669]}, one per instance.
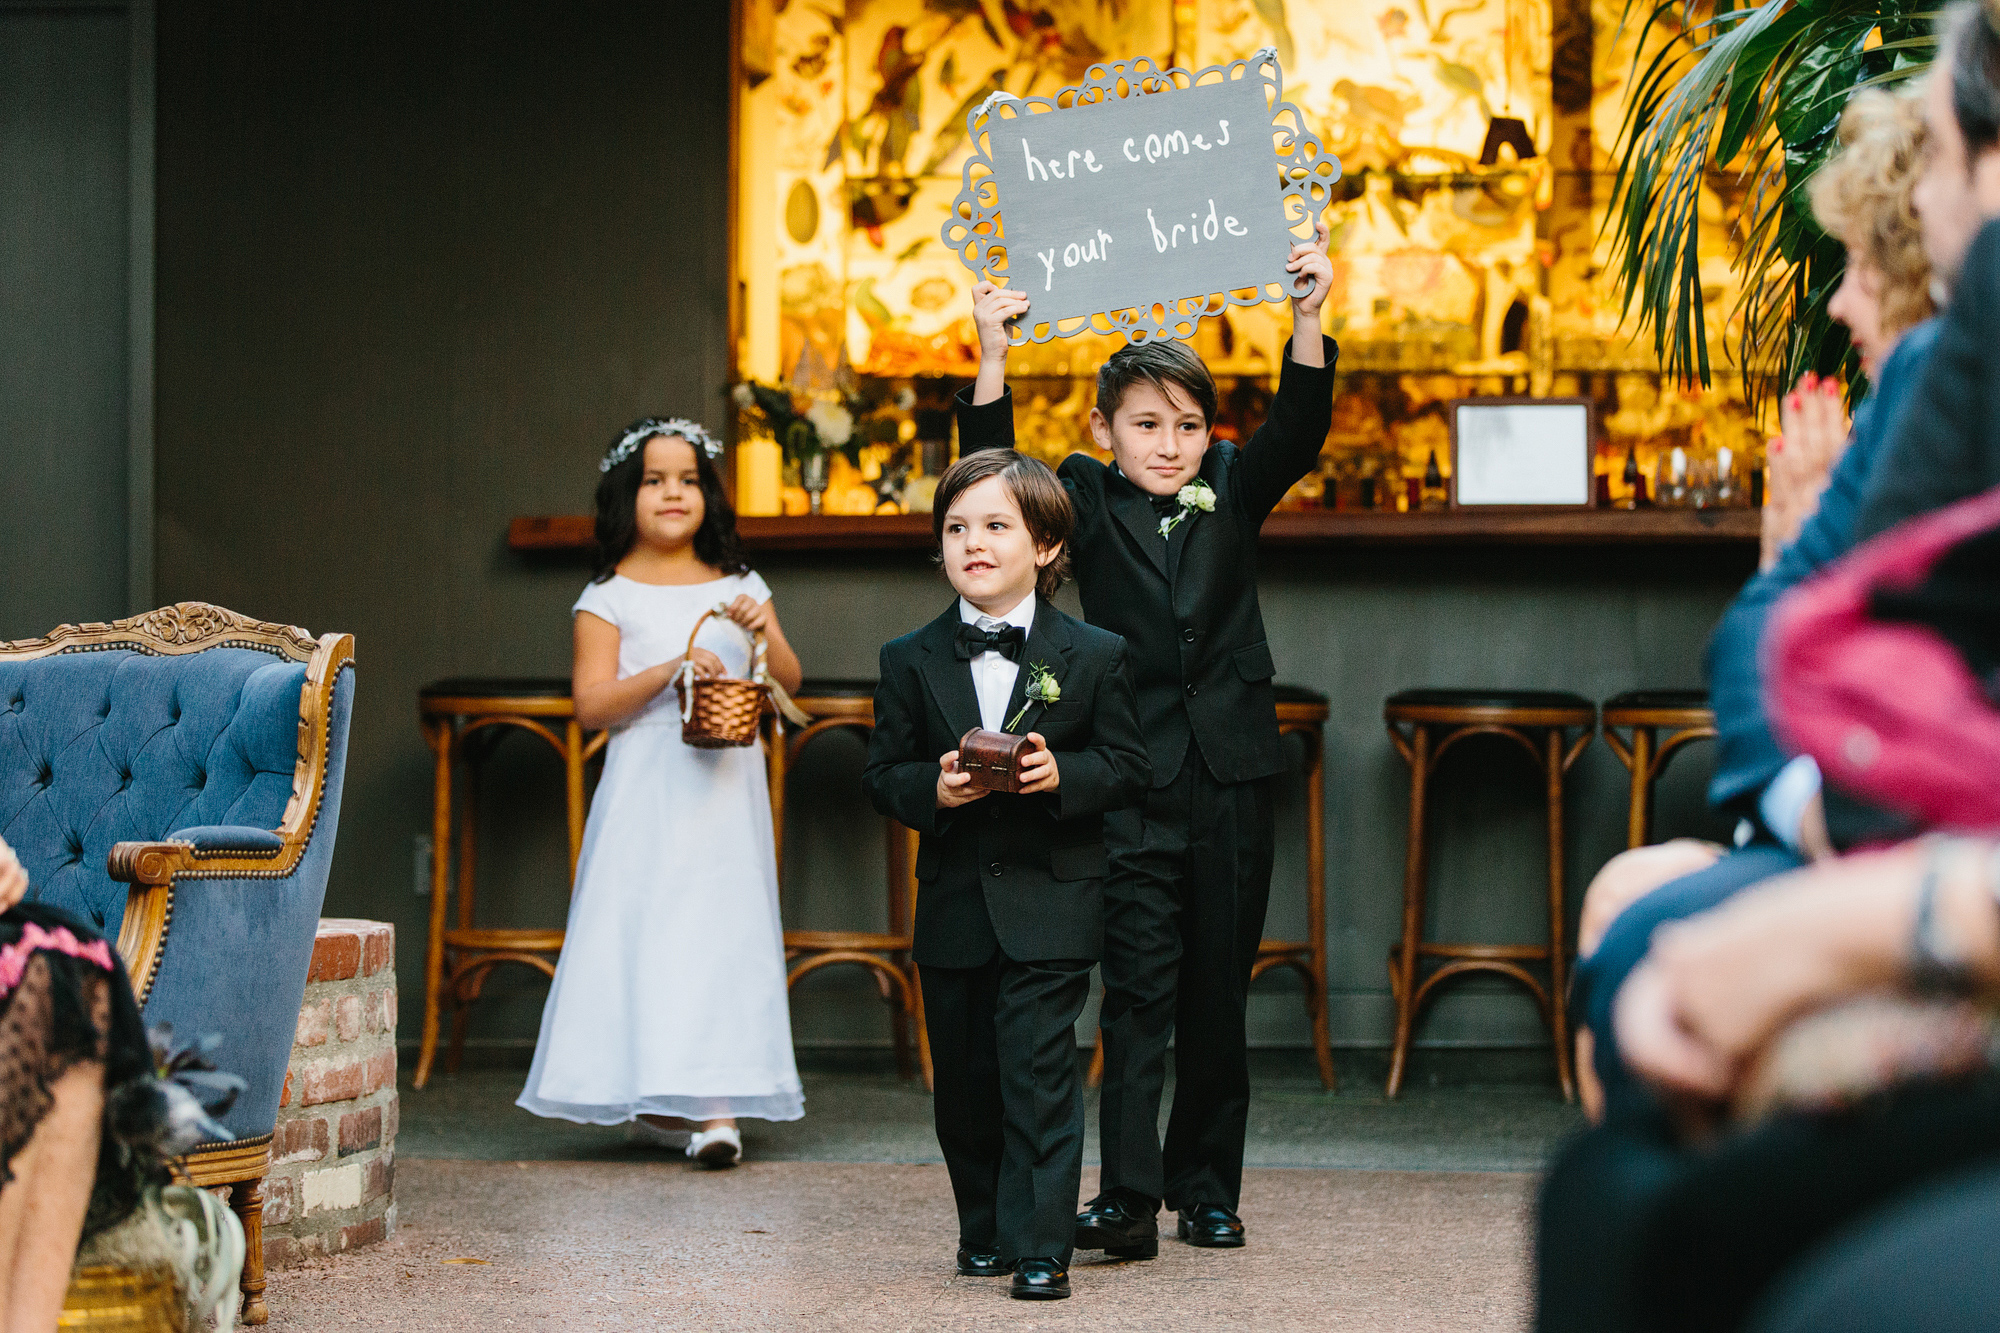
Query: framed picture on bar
{"type": "Point", "coordinates": [1521, 453]}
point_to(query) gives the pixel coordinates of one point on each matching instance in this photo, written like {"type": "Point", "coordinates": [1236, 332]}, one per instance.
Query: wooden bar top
{"type": "Point", "coordinates": [1287, 527]}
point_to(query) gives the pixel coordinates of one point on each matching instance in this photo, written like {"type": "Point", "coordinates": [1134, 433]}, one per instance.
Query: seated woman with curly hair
{"type": "Point", "coordinates": [1820, 471]}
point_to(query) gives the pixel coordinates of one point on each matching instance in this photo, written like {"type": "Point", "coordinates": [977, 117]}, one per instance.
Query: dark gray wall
{"type": "Point", "coordinates": [417, 266]}
{"type": "Point", "coordinates": [66, 290]}
{"type": "Point", "coordinates": [418, 263]}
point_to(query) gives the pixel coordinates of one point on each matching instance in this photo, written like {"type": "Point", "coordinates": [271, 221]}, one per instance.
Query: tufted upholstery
{"type": "Point", "coordinates": [99, 748]}
{"type": "Point", "coordinates": [114, 745]}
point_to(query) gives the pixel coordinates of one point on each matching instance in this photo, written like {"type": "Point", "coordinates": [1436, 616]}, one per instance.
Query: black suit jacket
{"type": "Point", "coordinates": [1947, 442]}
{"type": "Point", "coordinates": [1188, 605]}
{"type": "Point", "coordinates": [1024, 873]}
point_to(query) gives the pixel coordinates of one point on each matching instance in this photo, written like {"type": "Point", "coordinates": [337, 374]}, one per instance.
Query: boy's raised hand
{"type": "Point", "coordinates": [992, 307]}
{"type": "Point", "coordinates": [953, 787]}
{"type": "Point", "coordinates": [1309, 257]}
{"type": "Point", "coordinates": [1038, 771]}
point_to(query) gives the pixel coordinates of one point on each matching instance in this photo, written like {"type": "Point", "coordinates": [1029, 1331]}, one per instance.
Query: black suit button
{"type": "Point", "coordinates": [995, 868]}
{"type": "Point", "coordinates": [1187, 636]}
{"type": "Point", "coordinates": [1192, 690]}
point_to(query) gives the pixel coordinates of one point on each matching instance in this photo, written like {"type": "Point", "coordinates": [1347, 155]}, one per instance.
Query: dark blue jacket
{"type": "Point", "coordinates": [1747, 756]}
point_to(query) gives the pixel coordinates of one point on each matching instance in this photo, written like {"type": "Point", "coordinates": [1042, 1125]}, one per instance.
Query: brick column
{"type": "Point", "coordinates": [333, 1153]}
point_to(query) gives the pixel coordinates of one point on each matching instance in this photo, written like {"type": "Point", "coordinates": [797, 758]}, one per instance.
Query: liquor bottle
{"type": "Point", "coordinates": [1434, 496]}
{"type": "Point", "coordinates": [1634, 478]}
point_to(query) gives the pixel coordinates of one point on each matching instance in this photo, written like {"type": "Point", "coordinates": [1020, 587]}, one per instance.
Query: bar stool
{"type": "Point", "coordinates": [836, 705]}
{"type": "Point", "coordinates": [1539, 721]}
{"type": "Point", "coordinates": [460, 718]}
{"type": "Point", "coordinates": [1683, 714]}
{"type": "Point", "coordinates": [1301, 712]}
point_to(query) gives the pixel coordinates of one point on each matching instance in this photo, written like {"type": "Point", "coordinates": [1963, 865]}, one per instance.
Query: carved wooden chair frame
{"type": "Point", "coordinates": [152, 868]}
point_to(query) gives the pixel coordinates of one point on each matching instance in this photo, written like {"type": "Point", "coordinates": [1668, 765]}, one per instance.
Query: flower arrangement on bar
{"type": "Point", "coordinates": [811, 429]}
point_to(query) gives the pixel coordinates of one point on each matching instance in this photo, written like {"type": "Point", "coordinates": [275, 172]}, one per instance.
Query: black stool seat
{"type": "Point", "coordinates": [829, 688]}
{"type": "Point", "coordinates": [1528, 699]}
{"type": "Point", "coordinates": [497, 687]}
{"type": "Point", "coordinates": [1658, 700]}
{"type": "Point", "coordinates": [1297, 694]}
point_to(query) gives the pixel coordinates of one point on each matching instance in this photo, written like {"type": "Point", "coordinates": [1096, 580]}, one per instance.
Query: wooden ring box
{"type": "Point", "coordinates": [993, 758]}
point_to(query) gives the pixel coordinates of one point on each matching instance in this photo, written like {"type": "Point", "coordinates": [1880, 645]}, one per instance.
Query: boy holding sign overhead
{"type": "Point", "coordinates": [1165, 550]}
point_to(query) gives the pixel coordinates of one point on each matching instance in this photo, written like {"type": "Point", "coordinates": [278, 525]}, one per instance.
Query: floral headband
{"type": "Point", "coordinates": [691, 431]}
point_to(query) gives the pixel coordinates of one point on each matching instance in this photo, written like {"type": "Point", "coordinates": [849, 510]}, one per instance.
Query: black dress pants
{"type": "Point", "coordinates": [1183, 915]}
{"type": "Point", "coordinates": [1009, 1099]}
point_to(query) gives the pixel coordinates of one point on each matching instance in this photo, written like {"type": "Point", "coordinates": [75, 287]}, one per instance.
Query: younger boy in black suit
{"type": "Point", "coordinates": [1010, 911]}
{"type": "Point", "coordinates": [1166, 556]}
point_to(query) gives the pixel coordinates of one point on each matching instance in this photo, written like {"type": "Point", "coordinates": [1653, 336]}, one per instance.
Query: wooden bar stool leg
{"type": "Point", "coordinates": [899, 1014]}
{"type": "Point", "coordinates": [1316, 904]}
{"type": "Point", "coordinates": [440, 735]}
{"type": "Point", "coordinates": [1414, 871]}
{"type": "Point", "coordinates": [573, 793]}
{"type": "Point", "coordinates": [1641, 813]}
{"type": "Point", "coordinates": [1558, 955]}
{"type": "Point", "coordinates": [468, 871]}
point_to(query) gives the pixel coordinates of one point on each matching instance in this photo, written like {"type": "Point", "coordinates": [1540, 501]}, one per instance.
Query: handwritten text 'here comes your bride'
{"type": "Point", "coordinates": [1134, 200]}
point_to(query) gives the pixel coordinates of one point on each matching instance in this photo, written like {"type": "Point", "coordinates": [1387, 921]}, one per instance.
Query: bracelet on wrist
{"type": "Point", "coordinates": [1933, 971]}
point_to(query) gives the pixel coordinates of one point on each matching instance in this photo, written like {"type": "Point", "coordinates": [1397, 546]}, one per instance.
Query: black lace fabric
{"type": "Point", "coordinates": [65, 1011]}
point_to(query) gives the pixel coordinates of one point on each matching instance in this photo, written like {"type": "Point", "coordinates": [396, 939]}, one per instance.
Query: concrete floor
{"type": "Point", "coordinates": [1364, 1214]}
{"type": "Point", "coordinates": [1460, 1111]}
{"type": "Point", "coordinates": [822, 1245]}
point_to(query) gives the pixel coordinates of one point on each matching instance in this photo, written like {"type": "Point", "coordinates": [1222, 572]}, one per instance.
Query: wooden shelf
{"type": "Point", "coordinates": [1290, 527]}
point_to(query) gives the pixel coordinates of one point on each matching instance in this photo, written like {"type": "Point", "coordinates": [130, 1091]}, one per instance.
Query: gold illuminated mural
{"type": "Point", "coordinates": [1473, 137]}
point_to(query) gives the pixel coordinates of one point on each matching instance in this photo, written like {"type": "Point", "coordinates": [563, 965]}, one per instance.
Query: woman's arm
{"type": "Point", "coordinates": [1717, 987]}
{"type": "Point", "coordinates": [603, 700]}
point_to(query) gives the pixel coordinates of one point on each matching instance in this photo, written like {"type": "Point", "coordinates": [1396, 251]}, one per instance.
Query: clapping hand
{"type": "Point", "coordinates": [953, 787]}
{"type": "Point", "coordinates": [13, 877]}
{"type": "Point", "coordinates": [1038, 771]}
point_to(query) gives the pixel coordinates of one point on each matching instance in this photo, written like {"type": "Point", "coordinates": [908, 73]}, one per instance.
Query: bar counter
{"type": "Point", "coordinates": [1287, 527]}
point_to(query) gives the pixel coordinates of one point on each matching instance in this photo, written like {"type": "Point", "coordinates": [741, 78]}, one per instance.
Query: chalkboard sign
{"type": "Point", "coordinates": [1141, 200]}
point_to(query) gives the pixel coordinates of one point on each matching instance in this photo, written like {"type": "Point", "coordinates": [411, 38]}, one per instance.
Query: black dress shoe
{"type": "Point", "coordinates": [1121, 1227]}
{"type": "Point", "coordinates": [1212, 1227]}
{"type": "Point", "coordinates": [982, 1263]}
{"type": "Point", "coordinates": [1039, 1280]}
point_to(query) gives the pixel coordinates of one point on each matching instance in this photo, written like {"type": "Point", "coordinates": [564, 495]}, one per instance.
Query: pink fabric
{"type": "Point", "coordinates": [1888, 709]}
{"type": "Point", "coordinates": [14, 957]}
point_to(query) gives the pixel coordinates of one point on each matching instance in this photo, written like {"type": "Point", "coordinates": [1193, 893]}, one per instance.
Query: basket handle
{"type": "Point", "coordinates": [759, 670]}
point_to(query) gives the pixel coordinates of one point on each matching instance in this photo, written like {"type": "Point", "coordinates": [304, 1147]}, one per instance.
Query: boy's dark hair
{"type": "Point", "coordinates": [1972, 43]}
{"type": "Point", "coordinates": [1045, 505]}
{"type": "Point", "coordinates": [1159, 363]}
{"type": "Point", "coordinates": [715, 541]}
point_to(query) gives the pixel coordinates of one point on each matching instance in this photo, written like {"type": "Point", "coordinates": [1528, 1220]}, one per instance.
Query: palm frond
{"type": "Point", "coordinates": [1746, 98]}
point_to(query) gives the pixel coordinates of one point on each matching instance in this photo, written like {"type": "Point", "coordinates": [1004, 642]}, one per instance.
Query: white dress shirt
{"type": "Point", "coordinates": [993, 676]}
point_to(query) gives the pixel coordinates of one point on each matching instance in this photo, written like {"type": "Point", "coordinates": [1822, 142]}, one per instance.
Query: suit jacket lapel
{"type": "Point", "coordinates": [1048, 645]}
{"type": "Point", "coordinates": [1135, 511]}
{"type": "Point", "coordinates": [949, 679]}
{"type": "Point", "coordinates": [1184, 531]}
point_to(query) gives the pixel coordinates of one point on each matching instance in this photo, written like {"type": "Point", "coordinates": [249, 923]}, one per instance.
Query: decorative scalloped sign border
{"type": "Point", "coordinates": [1096, 239]}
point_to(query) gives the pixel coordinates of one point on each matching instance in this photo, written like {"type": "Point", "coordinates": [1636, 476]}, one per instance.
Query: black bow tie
{"type": "Point", "coordinates": [1165, 505]}
{"type": "Point", "coordinates": [1008, 641]}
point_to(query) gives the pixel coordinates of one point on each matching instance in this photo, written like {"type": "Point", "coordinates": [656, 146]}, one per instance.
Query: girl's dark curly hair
{"type": "Point", "coordinates": [715, 541]}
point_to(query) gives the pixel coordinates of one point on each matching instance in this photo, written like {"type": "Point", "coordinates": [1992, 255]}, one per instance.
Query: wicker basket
{"type": "Point", "coordinates": [717, 714]}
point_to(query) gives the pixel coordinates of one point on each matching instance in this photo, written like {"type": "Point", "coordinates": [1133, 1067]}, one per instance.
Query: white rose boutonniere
{"type": "Point", "coordinates": [1195, 495]}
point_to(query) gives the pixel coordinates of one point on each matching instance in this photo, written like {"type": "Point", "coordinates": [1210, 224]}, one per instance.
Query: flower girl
{"type": "Point", "coordinates": [669, 1004]}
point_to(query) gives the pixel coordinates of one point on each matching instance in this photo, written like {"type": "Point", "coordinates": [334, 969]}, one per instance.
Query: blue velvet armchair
{"type": "Point", "coordinates": [174, 780]}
